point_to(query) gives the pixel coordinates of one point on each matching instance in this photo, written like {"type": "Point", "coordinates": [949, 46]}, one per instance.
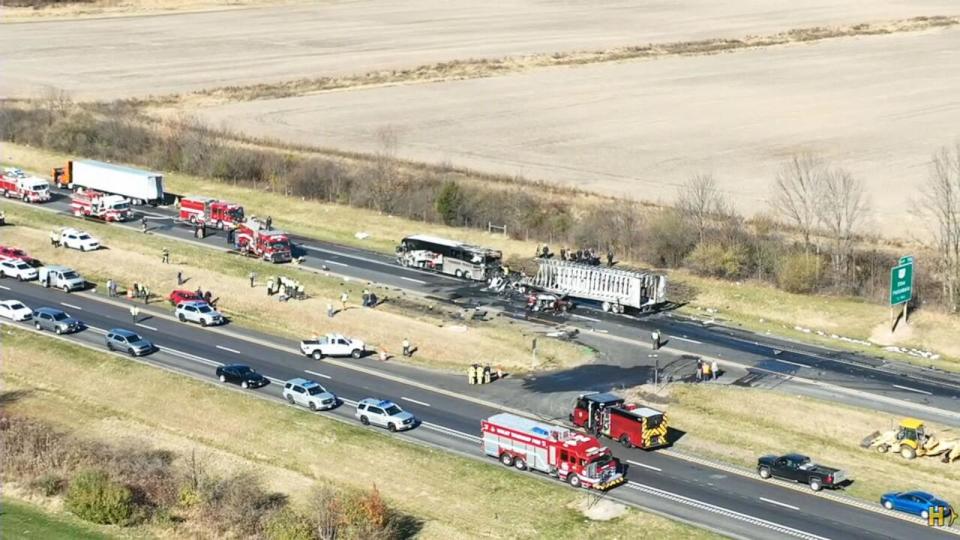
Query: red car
{"type": "Point", "coordinates": [15, 253]}
{"type": "Point", "coordinates": [180, 296]}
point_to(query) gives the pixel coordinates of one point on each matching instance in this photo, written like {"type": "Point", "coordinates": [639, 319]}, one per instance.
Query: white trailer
{"type": "Point", "coordinates": [136, 184]}
{"type": "Point", "coordinates": [613, 288]}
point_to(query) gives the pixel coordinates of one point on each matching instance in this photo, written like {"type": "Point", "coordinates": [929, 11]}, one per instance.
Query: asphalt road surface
{"type": "Point", "coordinates": [731, 503]}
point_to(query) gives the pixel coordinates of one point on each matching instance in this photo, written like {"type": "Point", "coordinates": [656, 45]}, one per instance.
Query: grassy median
{"type": "Point", "coordinates": [132, 257]}
{"type": "Point", "coordinates": [737, 425]}
{"type": "Point", "coordinates": [754, 306]}
{"type": "Point", "coordinates": [101, 396]}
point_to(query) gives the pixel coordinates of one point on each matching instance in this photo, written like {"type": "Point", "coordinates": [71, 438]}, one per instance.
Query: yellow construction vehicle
{"type": "Point", "coordinates": [911, 439]}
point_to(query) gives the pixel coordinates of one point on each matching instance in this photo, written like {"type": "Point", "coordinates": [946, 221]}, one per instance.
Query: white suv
{"type": "Point", "coordinates": [199, 312]}
{"type": "Point", "coordinates": [384, 414]}
{"type": "Point", "coordinates": [308, 394]}
{"type": "Point", "coordinates": [16, 268]}
{"type": "Point", "coordinates": [74, 239]}
{"type": "Point", "coordinates": [332, 345]}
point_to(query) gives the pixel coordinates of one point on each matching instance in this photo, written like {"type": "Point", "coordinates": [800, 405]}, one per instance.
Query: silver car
{"type": "Point", "coordinates": [129, 342]}
{"type": "Point", "coordinates": [384, 413]}
{"type": "Point", "coordinates": [55, 321]}
{"type": "Point", "coordinates": [198, 311]}
{"type": "Point", "coordinates": [310, 394]}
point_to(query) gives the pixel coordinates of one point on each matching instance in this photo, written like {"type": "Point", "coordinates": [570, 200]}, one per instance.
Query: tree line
{"type": "Point", "coordinates": [809, 240]}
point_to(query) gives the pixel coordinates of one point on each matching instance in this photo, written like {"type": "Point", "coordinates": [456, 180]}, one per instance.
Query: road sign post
{"type": "Point", "coordinates": [901, 287]}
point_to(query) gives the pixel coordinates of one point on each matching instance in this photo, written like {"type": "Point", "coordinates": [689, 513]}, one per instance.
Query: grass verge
{"type": "Point", "coordinates": [128, 259]}
{"type": "Point", "coordinates": [736, 425]}
{"type": "Point", "coordinates": [754, 306]}
{"type": "Point", "coordinates": [19, 519]}
{"type": "Point", "coordinates": [97, 395]}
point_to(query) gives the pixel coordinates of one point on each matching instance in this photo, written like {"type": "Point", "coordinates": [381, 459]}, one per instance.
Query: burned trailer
{"type": "Point", "coordinates": [614, 289]}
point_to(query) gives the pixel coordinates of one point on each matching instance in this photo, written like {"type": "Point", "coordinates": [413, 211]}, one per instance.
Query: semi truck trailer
{"type": "Point", "coordinates": [140, 186]}
{"type": "Point", "coordinates": [614, 289]}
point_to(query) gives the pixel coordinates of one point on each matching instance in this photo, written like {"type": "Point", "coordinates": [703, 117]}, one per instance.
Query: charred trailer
{"type": "Point", "coordinates": [614, 289]}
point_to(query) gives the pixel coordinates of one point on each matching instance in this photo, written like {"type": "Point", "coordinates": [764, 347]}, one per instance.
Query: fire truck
{"type": "Point", "coordinates": [210, 212]}
{"type": "Point", "coordinates": [93, 204]}
{"type": "Point", "coordinates": [632, 425]}
{"type": "Point", "coordinates": [254, 239]}
{"type": "Point", "coordinates": [572, 457]}
{"type": "Point", "coordinates": [15, 184]}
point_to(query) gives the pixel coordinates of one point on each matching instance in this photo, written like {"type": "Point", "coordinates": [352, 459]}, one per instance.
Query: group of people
{"type": "Point", "coordinates": [707, 371]}
{"type": "Point", "coordinates": [369, 298]}
{"type": "Point", "coordinates": [206, 296]}
{"type": "Point", "coordinates": [582, 256]}
{"type": "Point", "coordinates": [140, 292]}
{"type": "Point", "coordinates": [111, 288]}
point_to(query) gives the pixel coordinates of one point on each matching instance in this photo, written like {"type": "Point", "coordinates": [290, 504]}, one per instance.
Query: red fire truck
{"type": "Point", "coordinates": [90, 203]}
{"type": "Point", "coordinates": [14, 183]}
{"type": "Point", "coordinates": [632, 425]}
{"type": "Point", "coordinates": [210, 212]}
{"type": "Point", "coordinates": [253, 238]}
{"type": "Point", "coordinates": [572, 457]}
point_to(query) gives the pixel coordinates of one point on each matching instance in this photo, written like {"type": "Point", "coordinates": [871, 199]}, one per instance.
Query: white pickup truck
{"type": "Point", "coordinates": [332, 345]}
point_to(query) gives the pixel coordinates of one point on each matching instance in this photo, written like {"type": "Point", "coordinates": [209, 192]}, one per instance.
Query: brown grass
{"type": "Point", "coordinates": [131, 260]}
{"type": "Point", "coordinates": [737, 425]}
{"type": "Point", "coordinates": [97, 395]}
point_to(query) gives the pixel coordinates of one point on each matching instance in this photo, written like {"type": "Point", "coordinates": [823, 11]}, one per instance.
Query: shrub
{"type": "Point", "coordinates": [287, 524]}
{"type": "Point", "coordinates": [94, 497]}
{"type": "Point", "coordinates": [237, 504]}
{"type": "Point", "coordinates": [49, 484]}
{"type": "Point", "coordinates": [449, 202]}
{"type": "Point", "coordinates": [799, 272]}
{"type": "Point", "coordinates": [713, 259]}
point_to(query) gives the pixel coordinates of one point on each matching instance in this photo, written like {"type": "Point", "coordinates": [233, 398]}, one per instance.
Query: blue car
{"type": "Point", "coordinates": [917, 503]}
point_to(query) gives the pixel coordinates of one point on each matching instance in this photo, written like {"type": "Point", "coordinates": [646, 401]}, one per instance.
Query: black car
{"type": "Point", "coordinates": [801, 469]}
{"type": "Point", "coordinates": [245, 376]}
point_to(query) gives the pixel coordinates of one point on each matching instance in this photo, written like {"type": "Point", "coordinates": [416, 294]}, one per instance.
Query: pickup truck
{"type": "Point", "coordinates": [332, 345]}
{"type": "Point", "coordinates": [801, 469]}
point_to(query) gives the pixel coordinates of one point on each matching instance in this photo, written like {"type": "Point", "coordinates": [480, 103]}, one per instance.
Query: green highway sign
{"type": "Point", "coordinates": [901, 282]}
{"type": "Point", "coordinates": [906, 260]}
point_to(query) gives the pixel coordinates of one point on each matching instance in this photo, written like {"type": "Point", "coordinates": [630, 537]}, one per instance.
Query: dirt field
{"type": "Point", "coordinates": [877, 105]}
{"type": "Point", "coordinates": [109, 57]}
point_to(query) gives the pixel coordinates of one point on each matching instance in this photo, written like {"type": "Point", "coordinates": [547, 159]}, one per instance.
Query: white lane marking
{"type": "Point", "coordinates": [318, 374]}
{"type": "Point", "coordinates": [688, 340]}
{"type": "Point", "coordinates": [193, 357]}
{"type": "Point", "coordinates": [798, 364]}
{"type": "Point", "coordinates": [4, 287]}
{"type": "Point", "coordinates": [586, 318]}
{"type": "Point", "coordinates": [917, 390]}
{"type": "Point", "coordinates": [141, 325]}
{"type": "Point", "coordinates": [274, 381]}
{"type": "Point", "coordinates": [228, 349]}
{"type": "Point", "coordinates": [645, 466]}
{"type": "Point", "coordinates": [696, 503]}
{"type": "Point", "coordinates": [448, 431]}
{"type": "Point", "coordinates": [414, 280]}
{"type": "Point", "coordinates": [71, 306]}
{"type": "Point", "coordinates": [778, 503]}
{"type": "Point", "coordinates": [415, 401]}
{"type": "Point", "coordinates": [338, 263]}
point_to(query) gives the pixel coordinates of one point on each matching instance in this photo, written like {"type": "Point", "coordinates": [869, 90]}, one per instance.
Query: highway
{"type": "Point", "coordinates": [895, 387]}
{"type": "Point", "coordinates": [719, 498]}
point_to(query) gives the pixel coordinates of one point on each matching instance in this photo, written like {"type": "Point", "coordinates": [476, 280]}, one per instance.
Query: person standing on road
{"type": "Point", "coordinates": [706, 371]}
{"type": "Point", "coordinates": [109, 287]}
{"type": "Point", "coordinates": [699, 370]}
{"type": "Point", "coordinates": [179, 278]}
{"type": "Point", "coordinates": [253, 277]}
{"type": "Point", "coordinates": [134, 312]}
{"type": "Point", "coordinates": [166, 256]}
{"type": "Point", "coordinates": [655, 339]}
{"type": "Point", "coordinates": [329, 310]}
{"type": "Point", "coordinates": [143, 224]}
{"type": "Point", "coordinates": [714, 369]}
{"type": "Point", "coordinates": [406, 348]}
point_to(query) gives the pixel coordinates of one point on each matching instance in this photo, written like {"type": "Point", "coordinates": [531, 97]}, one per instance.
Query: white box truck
{"type": "Point", "coordinates": [140, 186]}
{"type": "Point", "coordinates": [614, 289]}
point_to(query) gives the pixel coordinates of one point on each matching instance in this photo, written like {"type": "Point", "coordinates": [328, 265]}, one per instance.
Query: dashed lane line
{"type": "Point", "coordinates": [778, 503]}
{"type": "Point", "coordinates": [644, 465]}
{"type": "Point", "coordinates": [411, 400]}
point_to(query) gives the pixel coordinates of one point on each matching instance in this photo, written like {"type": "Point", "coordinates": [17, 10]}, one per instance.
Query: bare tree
{"type": "Point", "coordinates": [842, 207]}
{"type": "Point", "coordinates": [797, 193]}
{"type": "Point", "coordinates": [699, 200]}
{"type": "Point", "coordinates": [385, 178]}
{"type": "Point", "coordinates": [56, 102]}
{"type": "Point", "coordinates": [941, 201]}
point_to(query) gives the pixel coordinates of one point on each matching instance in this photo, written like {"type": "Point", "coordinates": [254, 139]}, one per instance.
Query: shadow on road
{"type": "Point", "coordinates": [589, 378]}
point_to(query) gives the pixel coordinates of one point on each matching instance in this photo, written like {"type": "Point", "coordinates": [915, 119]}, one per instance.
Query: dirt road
{"type": "Point", "coordinates": [137, 56]}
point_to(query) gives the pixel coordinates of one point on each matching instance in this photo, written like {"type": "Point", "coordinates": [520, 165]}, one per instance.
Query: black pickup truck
{"type": "Point", "coordinates": [800, 469]}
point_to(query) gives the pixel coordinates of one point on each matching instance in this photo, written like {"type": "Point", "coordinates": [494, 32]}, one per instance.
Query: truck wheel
{"type": "Point", "coordinates": [223, 378]}
{"type": "Point", "coordinates": [290, 399]}
{"type": "Point", "coordinates": [625, 441]}
{"type": "Point", "coordinates": [203, 323]}
{"type": "Point", "coordinates": [907, 452]}
{"type": "Point", "coordinates": [606, 307]}
{"type": "Point", "coordinates": [392, 427]}
{"type": "Point", "coordinates": [506, 459]}
{"type": "Point", "coordinates": [459, 274]}
{"type": "Point", "coordinates": [882, 448]}
{"type": "Point", "coordinates": [520, 464]}
{"type": "Point", "coordinates": [355, 353]}
{"type": "Point", "coordinates": [312, 406]}
{"type": "Point", "coordinates": [317, 355]}
{"type": "Point", "coordinates": [244, 385]}
{"type": "Point", "coordinates": [66, 289]}
{"type": "Point", "coordinates": [182, 318]}
{"type": "Point", "coordinates": [364, 421]}
{"type": "Point", "coordinates": [574, 480]}
{"type": "Point", "coordinates": [815, 484]}
{"type": "Point", "coordinates": [764, 472]}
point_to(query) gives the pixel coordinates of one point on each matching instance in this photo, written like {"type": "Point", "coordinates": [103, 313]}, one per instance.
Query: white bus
{"type": "Point", "coordinates": [448, 257]}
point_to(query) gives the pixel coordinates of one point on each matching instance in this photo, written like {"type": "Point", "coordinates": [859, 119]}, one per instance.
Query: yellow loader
{"type": "Point", "coordinates": [911, 439]}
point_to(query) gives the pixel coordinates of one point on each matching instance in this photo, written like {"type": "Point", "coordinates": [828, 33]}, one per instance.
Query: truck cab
{"type": "Point", "coordinates": [630, 424]}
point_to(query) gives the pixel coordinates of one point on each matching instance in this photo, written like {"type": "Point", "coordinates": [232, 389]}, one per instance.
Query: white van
{"type": "Point", "coordinates": [61, 277]}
